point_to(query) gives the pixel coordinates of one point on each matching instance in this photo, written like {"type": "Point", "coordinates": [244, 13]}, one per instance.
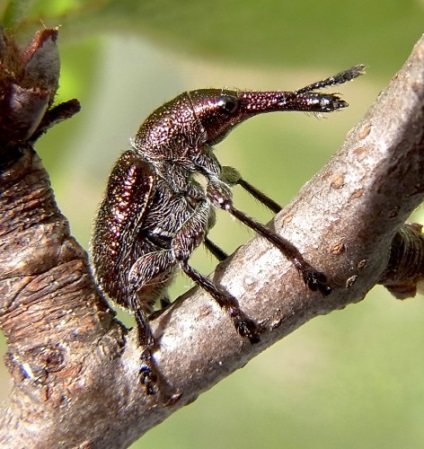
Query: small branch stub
{"type": "Point", "coordinates": [405, 271]}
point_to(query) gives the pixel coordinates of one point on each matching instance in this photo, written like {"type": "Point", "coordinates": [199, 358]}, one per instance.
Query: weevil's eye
{"type": "Point", "coordinates": [228, 104]}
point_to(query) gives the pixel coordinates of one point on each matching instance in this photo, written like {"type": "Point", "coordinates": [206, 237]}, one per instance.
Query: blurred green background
{"type": "Point", "coordinates": [353, 379]}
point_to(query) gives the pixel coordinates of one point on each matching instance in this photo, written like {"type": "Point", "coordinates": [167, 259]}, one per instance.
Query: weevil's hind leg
{"type": "Point", "coordinates": [148, 371]}
{"type": "Point", "coordinates": [215, 249]}
{"type": "Point", "coordinates": [142, 274]}
{"type": "Point", "coordinates": [232, 177]}
{"type": "Point", "coordinates": [245, 326]}
{"type": "Point", "coordinates": [149, 375]}
{"type": "Point", "coordinates": [165, 302]}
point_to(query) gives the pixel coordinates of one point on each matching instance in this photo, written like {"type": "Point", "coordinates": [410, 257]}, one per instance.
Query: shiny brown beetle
{"type": "Point", "coordinates": [155, 213]}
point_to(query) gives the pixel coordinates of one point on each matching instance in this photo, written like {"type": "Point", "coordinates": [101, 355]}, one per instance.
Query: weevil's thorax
{"type": "Point", "coordinates": [171, 133]}
{"type": "Point", "coordinates": [172, 141]}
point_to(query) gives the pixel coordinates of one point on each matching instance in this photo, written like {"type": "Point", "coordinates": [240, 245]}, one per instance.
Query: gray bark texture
{"type": "Point", "coordinates": [75, 368]}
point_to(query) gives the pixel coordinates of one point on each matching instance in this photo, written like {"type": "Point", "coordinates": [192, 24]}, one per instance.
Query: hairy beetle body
{"type": "Point", "coordinates": [155, 214]}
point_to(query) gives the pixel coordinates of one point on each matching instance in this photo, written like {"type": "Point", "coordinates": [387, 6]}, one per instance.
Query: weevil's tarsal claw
{"type": "Point", "coordinates": [148, 376]}
{"type": "Point", "coordinates": [316, 281]}
{"type": "Point", "coordinates": [245, 327]}
{"type": "Point", "coordinates": [148, 379]}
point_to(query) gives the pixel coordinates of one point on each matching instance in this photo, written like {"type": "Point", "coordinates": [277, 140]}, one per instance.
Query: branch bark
{"type": "Point", "coordinates": [75, 368]}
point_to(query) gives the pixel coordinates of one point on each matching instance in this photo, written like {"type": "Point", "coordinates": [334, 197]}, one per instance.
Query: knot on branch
{"type": "Point", "coordinates": [47, 294]}
{"type": "Point", "coordinates": [405, 269]}
{"type": "Point", "coordinates": [44, 273]}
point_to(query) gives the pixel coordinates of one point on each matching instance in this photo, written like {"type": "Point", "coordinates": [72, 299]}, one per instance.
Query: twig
{"type": "Point", "coordinates": [75, 369]}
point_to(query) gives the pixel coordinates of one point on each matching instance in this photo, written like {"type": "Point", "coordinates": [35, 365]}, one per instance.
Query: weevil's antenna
{"type": "Point", "coordinates": [339, 78]}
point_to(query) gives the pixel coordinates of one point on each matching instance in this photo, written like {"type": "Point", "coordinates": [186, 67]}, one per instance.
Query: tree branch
{"type": "Point", "coordinates": [75, 368]}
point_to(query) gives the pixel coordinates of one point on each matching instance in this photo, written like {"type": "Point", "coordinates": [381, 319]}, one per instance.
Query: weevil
{"type": "Point", "coordinates": [155, 214]}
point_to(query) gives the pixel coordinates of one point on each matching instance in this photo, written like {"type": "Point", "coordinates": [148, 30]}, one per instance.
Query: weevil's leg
{"type": "Point", "coordinates": [148, 371]}
{"type": "Point", "coordinates": [165, 302]}
{"type": "Point", "coordinates": [151, 266]}
{"type": "Point", "coordinates": [149, 375]}
{"type": "Point", "coordinates": [143, 271]}
{"type": "Point", "coordinates": [260, 196]}
{"type": "Point", "coordinates": [245, 326]}
{"type": "Point", "coordinates": [315, 280]}
{"type": "Point", "coordinates": [215, 249]}
{"type": "Point", "coordinates": [149, 275]}
{"type": "Point", "coordinates": [232, 177]}
{"type": "Point", "coordinates": [189, 237]}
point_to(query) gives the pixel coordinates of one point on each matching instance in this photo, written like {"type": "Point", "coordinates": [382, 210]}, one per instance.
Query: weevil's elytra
{"type": "Point", "coordinates": [154, 214]}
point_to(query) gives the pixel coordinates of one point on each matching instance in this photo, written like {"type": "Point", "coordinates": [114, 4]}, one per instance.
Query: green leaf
{"type": "Point", "coordinates": [269, 32]}
{"type": "Point", "coordinates": [14, 12]}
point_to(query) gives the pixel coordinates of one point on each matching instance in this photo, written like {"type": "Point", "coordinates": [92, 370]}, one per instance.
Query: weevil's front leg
{"type": "Point", "coordinates": [219, 253]}
{"type": "Point", "coordinates": [187, 239]}
{"type": "Point", "coordinates": [231, 176]}
{"type": "Point", "coordinates": [219, 193]}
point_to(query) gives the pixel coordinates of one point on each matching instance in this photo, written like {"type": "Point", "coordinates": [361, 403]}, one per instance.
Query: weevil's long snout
{"type": "Point", "coordinates": [306, 99]}
{"type": "Point", "coordinates": [219, 111]}
{"type": "Point", "coordinates": [230, 108]}
{"type": "Point", "coordinates": [254, 103]}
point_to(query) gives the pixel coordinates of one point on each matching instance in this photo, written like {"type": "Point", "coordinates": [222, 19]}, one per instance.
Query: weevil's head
{"type": "Point", "coordinates": [219, 111]}
{"type": "Point", "coordinates": [204, 117]}
{"type": "Point", "coordinates": [191, 121]}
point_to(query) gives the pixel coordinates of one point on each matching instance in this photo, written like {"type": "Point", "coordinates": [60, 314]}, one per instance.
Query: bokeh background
{"type": "Point", "coordinates": [353, 379]}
